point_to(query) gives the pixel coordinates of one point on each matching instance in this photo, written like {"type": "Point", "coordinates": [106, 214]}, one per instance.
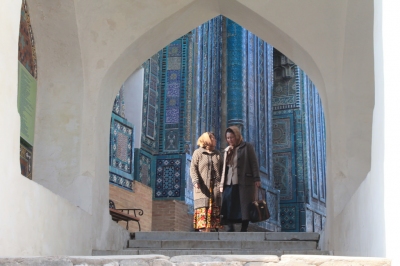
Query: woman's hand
{"type": "Point", "coordinates": [221, 189]}
{"type": "Point", "coordinates": [197, 185]}
{"type": "Point", "coordinates": [258, 183]}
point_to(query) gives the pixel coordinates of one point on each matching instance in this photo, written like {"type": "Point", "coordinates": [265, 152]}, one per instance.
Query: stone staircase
{"type": "Point", "coordinates": [220, 243]}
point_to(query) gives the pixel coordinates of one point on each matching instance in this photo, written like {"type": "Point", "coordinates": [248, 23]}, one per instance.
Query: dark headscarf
{"type": "Point", "coordinates": [239, 138]}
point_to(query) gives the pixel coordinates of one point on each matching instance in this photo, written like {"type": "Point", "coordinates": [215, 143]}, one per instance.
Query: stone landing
{"type": "Point", "coordinates": [216, 260]}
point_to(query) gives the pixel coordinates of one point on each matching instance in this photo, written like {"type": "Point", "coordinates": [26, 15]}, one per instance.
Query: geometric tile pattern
{"type": "Point", "coordinates": [282, 170]}
{"type": "Point", "coordinates": [273, 203]}
{"type": "Point", "coordinates": [207, 81]}
{"type": "Point", "coordinates": [235, 79]}
{"type": "Point", "coordinates": [121, 152]}
{"type": "Point", "coordinates": [281, 133]}
{"type": "Point", "coordinates": [172, 107]}
{"type": "Point", "coordinates": [298, 137]}
{"type": "Point", "coordinates": [121, 142]}
{"type": "Point", "coordinates": [168, 178]}
{"type": "Point", "coordinates": [249, 102]}
{"type": "Point", "coordinates": [285, 94]}
{"type": "Point", "coordinates": [189, 96]}
{"type": "Point", "coordinates": [120, 181]}
{"type": "Point", "coordinates": [288, 217]}
{"type": "Point", "coordinates": [151, 99]}
{"type": "Point", "coordinates": [144, 169]}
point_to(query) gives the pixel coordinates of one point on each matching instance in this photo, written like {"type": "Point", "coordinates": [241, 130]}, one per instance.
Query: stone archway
{"type": "Point", "coordinates": [101, 44]}
{"type": "Point", "coordinates": [162, 34]}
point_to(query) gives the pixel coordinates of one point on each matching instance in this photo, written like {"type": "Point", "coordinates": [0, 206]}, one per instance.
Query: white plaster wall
{"type": "Point", "coordinates": [33, 220]}
{"type": "Point", "coordinates": [58, 142]}
{"type": "Point", "coordinates": [387, 68]}
{"type": "Point", "coordinates": [368, 225]}
{"type": "Point", "coordinates": [133, 92]}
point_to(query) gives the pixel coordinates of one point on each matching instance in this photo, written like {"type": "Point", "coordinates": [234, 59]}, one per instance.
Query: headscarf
{"type": "Point", "coordinates": [205, 141]}
{"type": "Point", "coordinates": [239, 139]}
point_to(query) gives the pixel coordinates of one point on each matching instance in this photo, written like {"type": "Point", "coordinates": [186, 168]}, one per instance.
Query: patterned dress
{"type": "Point", "coordinates": [205, 170]}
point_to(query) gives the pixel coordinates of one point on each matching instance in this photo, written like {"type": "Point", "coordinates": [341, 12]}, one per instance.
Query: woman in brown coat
{"type": "Point", "coordinates": [205, 171]}
{"type": "Point", "coordinates": [240, 176]}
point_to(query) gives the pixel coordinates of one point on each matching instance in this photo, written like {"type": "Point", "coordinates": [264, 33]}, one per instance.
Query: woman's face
{"type": "Point", "coordinates": [231, 139]}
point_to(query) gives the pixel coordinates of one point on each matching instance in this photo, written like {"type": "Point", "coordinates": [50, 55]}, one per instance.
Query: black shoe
{"type": "Point", "coordinates": [245, 225]}
{"type": "Point", "coordinates": [231, 228]}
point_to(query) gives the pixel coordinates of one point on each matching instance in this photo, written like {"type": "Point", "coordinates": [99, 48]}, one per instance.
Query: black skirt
{"type": "Point", "coordinates": [230, 210]}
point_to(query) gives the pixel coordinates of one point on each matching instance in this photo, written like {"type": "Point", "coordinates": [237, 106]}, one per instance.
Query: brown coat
{"type": "Point", "coordinates": [205, 169]}
{"type": "Point", "coordinates": [248, 173]}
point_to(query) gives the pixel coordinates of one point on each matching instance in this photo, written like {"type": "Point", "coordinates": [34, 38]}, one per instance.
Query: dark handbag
{"type": "Point", "coordinates": [258, 210]}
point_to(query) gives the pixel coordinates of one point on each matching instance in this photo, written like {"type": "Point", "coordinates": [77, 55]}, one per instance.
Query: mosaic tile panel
{"type": "Point", "coordinates": [151, 100]}
{"type": "Point", "coordinates": [152, 103]}
{"type": "Point", "coordinates": [172, 139]}
{"type": "Point", "coordinates": [173, 92]}
{"type": "Point", "coordinates": [189, 91]}
{"type": "Point", "coordinates": [234, 72]}
{"type": "Point", "coordinates": [282, 169]}
{"type": "Point", "coordinates": [285, 92]}
{"type": "Point", "coordinates": [273, 204]}
{"type": "Point", "coordinates": [208, 78]}
{"type": "Point", "coordinates": [169, 177]}
{"type": "Point", "coordinates": [281, 133]}
{"type": "Point", "coordinates": [121, 146]}
{"type": "Point", "coordinates": [288, 217]}
{"type": "Point", "coordinates": [294, 95]}
{"type": "Point", "coordinates": [120, 181]}
{"type": "Point", "coordinates": [143, 167]}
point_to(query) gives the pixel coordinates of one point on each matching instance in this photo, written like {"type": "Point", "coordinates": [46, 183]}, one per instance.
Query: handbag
{"type": "Point", "coordinates": [258, 209]}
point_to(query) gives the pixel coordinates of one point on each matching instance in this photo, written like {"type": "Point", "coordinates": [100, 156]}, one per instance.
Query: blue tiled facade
{"type": "Point", "coordinates": [298, 148]}
{"type": "Point", "coordinates": [218, 75]}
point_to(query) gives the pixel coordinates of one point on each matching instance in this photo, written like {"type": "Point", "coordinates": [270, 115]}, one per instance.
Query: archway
{"type": "Point", "coordinates": [261, 27]}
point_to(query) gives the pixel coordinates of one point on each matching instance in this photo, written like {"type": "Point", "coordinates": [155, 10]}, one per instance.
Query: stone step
{"type": "Point", "coordinates": [182, 252]}
{"type": "Point", "coordinates": [223, 244]}
{"type": "Point", "coordinates": [227, 236]}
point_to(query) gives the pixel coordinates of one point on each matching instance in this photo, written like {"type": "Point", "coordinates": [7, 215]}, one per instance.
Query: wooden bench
{"type": "Point", "coordinates": [119, 214]}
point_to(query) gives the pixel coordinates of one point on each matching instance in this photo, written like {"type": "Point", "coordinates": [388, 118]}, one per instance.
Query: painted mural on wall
{"type": "Point", "coordinates": [26, 89]}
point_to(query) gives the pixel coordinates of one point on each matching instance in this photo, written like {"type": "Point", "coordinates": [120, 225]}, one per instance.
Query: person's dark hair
{"type": "Point", "coordinates": [228, 130]}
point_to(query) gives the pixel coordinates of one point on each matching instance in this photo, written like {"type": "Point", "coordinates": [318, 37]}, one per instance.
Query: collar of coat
{"type": "Point", "coordinates": [241, 145]}
{"type": "Point", "coordinates": [203, 150]}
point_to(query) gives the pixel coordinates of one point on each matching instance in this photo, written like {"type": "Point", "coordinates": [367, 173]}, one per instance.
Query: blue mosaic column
{"type": "Point", "coordinates": [235, 73]}
{"type": "Point", "coordinates": [208, 77]}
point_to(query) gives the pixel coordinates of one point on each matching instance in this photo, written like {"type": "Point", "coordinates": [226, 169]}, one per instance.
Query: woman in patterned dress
{"type": "Point", "coordinates": [205, 171]}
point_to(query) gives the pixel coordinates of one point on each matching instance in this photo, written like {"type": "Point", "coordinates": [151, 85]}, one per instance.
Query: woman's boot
{"type": "Point", "coordinates": [245, 224]}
